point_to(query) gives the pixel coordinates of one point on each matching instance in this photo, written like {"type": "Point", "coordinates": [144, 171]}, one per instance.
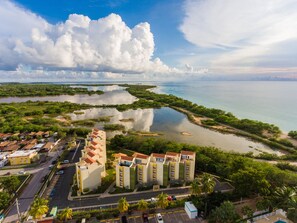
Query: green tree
{"type": "Point", "coordinates": [4, 200]}
{"type": "Point", "coordinates": [39, 208]}
{"type": "Point", "coordinates": [207, 186]}
{"type": "Point", "coordinates": [123, 205]}
{"type": "Point", "coordinates": [246, 210]}
{"type": "Point", "coordinates": [162, 200]}
{"type": "Point", "coordinates": [10, 184]}
{"type": "Point", "coordinates": [142, 205]}
{"type": "Point", "coordinates": [66, 214]}
{"type": "Point", "coordinates": [226, 213]}
{"type": "Point", "coordinates": [196, 187]}
{"type": "Point", "coordinates": [250, 180]}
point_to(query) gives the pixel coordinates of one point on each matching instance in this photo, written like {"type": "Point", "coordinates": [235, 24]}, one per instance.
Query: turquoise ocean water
{"type": "Point", "coordinates": [268, 101]}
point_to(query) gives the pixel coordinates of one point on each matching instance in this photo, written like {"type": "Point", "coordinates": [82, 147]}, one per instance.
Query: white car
{"type": "Point", "coordinates": [159, 218]}
{"type": "Point", "coordinates": [22, 172]}
{"type": "Point", "coordinates": [153, 200]}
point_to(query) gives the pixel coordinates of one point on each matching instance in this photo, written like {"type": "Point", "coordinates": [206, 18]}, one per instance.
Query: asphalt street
{"type": "Point", "coordinates": [27, 196]}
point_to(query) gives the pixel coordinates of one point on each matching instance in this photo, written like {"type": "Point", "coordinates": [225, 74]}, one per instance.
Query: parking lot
{"type": "Point", "coordinates": [179, 216]}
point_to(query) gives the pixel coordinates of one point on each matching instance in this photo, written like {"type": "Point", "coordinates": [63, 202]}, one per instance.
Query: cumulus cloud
{"type": "Point", "coordinates": [79, 43]}
{"type": "Point", "coordinates": [243, 35]}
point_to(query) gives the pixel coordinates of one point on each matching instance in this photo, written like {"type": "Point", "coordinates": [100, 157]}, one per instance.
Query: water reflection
{"type": "Point", "coordinates": [171, 123]}
{"type": "Point", "coordinates": [108, 98]}
{"type": "Point", "coordinates": [105, 88]}
{"type": "Point", "coordinates": [141, 119]}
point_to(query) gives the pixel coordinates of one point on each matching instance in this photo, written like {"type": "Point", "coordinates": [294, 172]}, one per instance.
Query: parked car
{"type": "Point", "coordinates": [169, 198]}
{"type": "Point", "coordinates": [145, 217]}
{"type": "Point", "coordinates": [173, 197]}
{"type": "Point", "coordinates": [153, 200]}
{"type": "Point", "coordinates": [159, 218]}
{"type": "Point", "coordinates": [22, 172]}
{"type": "Point", "coordinates": [51, 166]}
{"type": "Point", "coordinates": [54, 162]}
{"type": "Point", "coordinates": [124, 219]}
{"type": "Point", "coordinates": [65, 161]}
{"type": "Point", "coordinates": [7, 174]}
{"type": "Point", "coordinates": [52, 193]}
{"type": "Point", "coordinates": [61, 172]}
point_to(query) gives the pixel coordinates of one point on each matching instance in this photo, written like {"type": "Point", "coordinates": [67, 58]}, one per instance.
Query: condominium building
{"type": "Point", "coordinates": [91, 166]}
{"type": "Point", "coordinates": [155, 169]}
{"type": "Point", "coordinates": [126, 172]}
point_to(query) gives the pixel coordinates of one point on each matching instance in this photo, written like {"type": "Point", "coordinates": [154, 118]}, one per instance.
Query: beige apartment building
{"type": "Point", "coordinates": [91, 166]}
{"type": "Point", "coordinates": [156, 169]}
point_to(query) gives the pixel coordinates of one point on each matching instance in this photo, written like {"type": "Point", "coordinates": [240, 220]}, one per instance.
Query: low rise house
{"type": "Point", "coordinates": [48, 146]}
{"type": "Point", "coordinates": [22, 157]}
{"type": "Point", "coordinates": [11, 148]}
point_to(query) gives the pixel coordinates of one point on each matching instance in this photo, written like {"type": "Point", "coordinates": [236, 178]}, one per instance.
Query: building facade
{"type": "Point", "coordinates": [22, 157]}
{"type": "Point", "coordinates": [156, 169]}
{"type": "Point", "coordinates": [91, 167]}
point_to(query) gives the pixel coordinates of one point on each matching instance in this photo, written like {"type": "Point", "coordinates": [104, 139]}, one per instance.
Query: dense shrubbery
{"type": "Point", "coordinates": [114, 127]}
{"type": "Point", "coordinates": [251, 126]}
{"type": "Point", "coordinates": [293, 134]}
{"type": "Point", "coordinates": [29, 116]}
{"type": "Point", "coordinates": [25, 90]}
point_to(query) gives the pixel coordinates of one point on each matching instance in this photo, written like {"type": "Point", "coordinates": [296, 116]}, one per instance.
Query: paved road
{"type": "Point", "coordinates": [27, 196]}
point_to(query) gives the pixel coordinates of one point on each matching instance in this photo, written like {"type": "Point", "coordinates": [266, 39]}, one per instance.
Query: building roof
{"type": "Point", "coordinates": [94, 143]}
{"type": "Point", "coordinates": [172, 154]}
{"type": "Point", "coordinates": [141, 156]}
{"type": "Point", "coordinates": [11, 148]}
{"type": "Point", "coordinates": [21, 153]}
{"type": "Point", "coordinates": [40, 133]}
{"type": "Point", "coordinates": [28, 146]}
{"type": "Point", "coordinates": [48, 145]}
{"type": "Point", "coordinates": [183, 152]}
{"type": "Point", "coordinates": [158, 155]}
{"type": "Point", "coordinates": [91, 153]}
{"type": "Point", "coordinates": [89, 160]}
{"type": "Point", "coordinates": [127, 158]}
{"type": "Point", "coordinates": [3, 144]}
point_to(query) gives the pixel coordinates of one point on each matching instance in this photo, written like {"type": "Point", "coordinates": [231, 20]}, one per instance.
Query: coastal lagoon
{"type": "Point", "coordinates": [170, 124]}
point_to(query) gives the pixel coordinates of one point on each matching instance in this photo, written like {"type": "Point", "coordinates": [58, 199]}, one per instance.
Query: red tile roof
{"type": "Point", "coordinates": [94, 143]}
{"type": "Point", "coordinates": [127, 158]}
{"type": "Point", "coordinates": [141, 156]}
{"type": "Point", "coordinates": [89, 160]}
{"type": "Point", "coordinates": [91, 153]}
{"type": "Point", "coordinates": [187, 153]}
{"type": "Point", "coordinates": [158, 155]}
{"type": "Point", "coordinates": [172, 154]}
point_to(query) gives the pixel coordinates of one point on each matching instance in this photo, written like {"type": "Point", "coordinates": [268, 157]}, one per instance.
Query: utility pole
{"type": "Point", "coordinates": [18, 209]}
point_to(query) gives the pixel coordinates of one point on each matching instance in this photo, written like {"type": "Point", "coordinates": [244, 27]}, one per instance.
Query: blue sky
{"type": "Point", "coordinates": [148, 39]}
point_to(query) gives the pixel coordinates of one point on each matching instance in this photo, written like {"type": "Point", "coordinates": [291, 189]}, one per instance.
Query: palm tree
{"type": "Point", "coordinates": [196, 187]}
{"type": "Point", "coordinates": [208, 184]}
{"type": "Point", "coordinates": [142, 205]}
{"type": "Point", "coordinates": [162, 200]}
{"type": "Point", "coordinates": [66, 214]}
{"type": "Point", "coordinates": [123, 205]}
{"type": "Point", "coordinates": [284, 197]}
{"type": "Point", "coordinates": [39, 208]}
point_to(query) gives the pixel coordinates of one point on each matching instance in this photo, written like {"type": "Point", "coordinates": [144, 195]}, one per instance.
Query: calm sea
{"type": "Point", "coordinates": [268, 101]}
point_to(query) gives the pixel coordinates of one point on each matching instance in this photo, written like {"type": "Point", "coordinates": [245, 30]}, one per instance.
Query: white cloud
{"type": "Point", "coordinates": [242, 34]}
{"type": "Point", "coordinates": [79, 43]}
